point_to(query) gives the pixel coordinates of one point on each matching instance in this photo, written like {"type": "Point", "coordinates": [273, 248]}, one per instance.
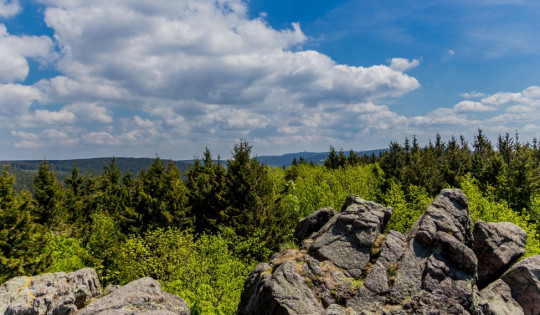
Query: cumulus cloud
{"type": "Point", "coordinates": [469, 106]}
{"type": "Point", "coordinates": [402, 64]}
{"type": "Point", "coordinates": [203, 70]}
{"type": "Point", "coordinates": [9, 8]}
{"type": "Point", "coordinates": [15, 49]}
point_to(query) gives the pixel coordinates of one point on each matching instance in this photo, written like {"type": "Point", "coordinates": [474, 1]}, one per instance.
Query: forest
{"type": "Point", "coordinates": [201, 231]}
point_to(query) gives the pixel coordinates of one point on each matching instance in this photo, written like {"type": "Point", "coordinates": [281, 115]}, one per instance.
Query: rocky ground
{"type": "Point", "coordinates": [441, 266]}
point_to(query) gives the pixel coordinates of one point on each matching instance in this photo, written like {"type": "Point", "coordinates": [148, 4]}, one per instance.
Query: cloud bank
{"type": "Point", "coordinates": [171, 77]}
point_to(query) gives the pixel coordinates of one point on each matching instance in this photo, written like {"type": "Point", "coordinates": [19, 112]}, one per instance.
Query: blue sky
{"type": "Point", "coordinates": [171, 77]}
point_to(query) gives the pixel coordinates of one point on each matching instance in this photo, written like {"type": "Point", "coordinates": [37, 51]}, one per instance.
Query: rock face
{"type": "Point", "coordinates": [79, 293]}
{"type": "Point", "coordinates": [524, 282]}
{"type": "Point", "coordinates": [143, 295]}
{"type": "Point", "coordinates": [498, 246]}
{"type": "Point", "coordinates": [313, 223]}
{"type": "Point", "coordinates": [349, 266]}
{"type": "Point", "coordinates": [50, 293]}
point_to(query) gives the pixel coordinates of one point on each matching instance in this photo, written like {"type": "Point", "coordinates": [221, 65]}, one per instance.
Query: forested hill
{"type": "Point", "coordinates": [315, 157]}
{"type": "Point", "coordinates": [132, 165]}
{"type": "Point", "coordinates": [25, 171]}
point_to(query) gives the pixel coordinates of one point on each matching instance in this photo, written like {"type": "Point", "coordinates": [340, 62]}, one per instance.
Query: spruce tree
{"type": "Point", "coordinates": [48, 196]}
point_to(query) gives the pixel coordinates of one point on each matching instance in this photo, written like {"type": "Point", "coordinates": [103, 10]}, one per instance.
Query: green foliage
{"type": "Point", "coordinates": [253, 203]}
{"type": "Point", "coordinates": [484, 207]}
{"type": "Point", "coordinates": [103, 243]}
{"type": "Point", "coordinates": [48, 196]}
{"type": "Point", "coordinates": [161, 254]}
{"type": "Point", "coordinates": [207, 188]}
{"type": "Point", "coordinates": [160, 198]}
{"type": "Point", "coordinates": [407, 206]}
{"type": "Point", "coordinates": [204, 272]}
{"type": "Point", "coordinates": [66, 254]}
{"type": "Point", "coordinates": [20, 240]}
{"type": "Point", "coordinates": [318, 187]}
{"type": "Point", "coordinates": [215, 279]}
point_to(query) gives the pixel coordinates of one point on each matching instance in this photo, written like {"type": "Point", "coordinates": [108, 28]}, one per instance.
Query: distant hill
{"type": "Point", "coordinates": [25, 171]}
{"type": "Point", "coordinates": [315, 157]}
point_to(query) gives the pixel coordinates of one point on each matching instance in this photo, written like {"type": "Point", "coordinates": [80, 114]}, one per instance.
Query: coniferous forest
{"type": "Point", "coordinates": [201, 232]}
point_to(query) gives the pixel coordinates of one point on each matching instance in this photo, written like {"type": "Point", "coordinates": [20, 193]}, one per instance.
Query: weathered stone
{"type": "Point", "coordinates": [313, 223]}
{"type": "Point", "coordinates": [283, 292]}
{"type": "Point", "coordinates": [524, 282]}
{"type": "Point", "coordinates": [347, 238]}
{"type": "Point", "coordinates": [142, 296]}
{"type": "Point", "coordinates": [366, 301]}
{"type": "Point", "coordinates": [50, 293]}
{"type": "Point", "coordinates": [497, 246]}
{"type": "Point", "coordinates": [439, 255]}
{"type": "Point", "coordinates": [496, 299]}
{"type": "Point", "coordinates": [424, 302]}
{"type": "Point", "coordinates": [336, 309]}
{"type": "Point", "coordinates": [410, 272]}
{"type": "Point", "coordinates": [384, 270]}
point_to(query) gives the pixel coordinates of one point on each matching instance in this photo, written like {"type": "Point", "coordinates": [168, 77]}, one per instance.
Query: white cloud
{"type": "Point", "coordinates": [9, 8]}
{"type": "Point", "coordinates": [15, 99]}
{"type": "Point", "coordinates": [15, 49]}
{"type": "Point", "coordinates": [469, 106]}
{"type": "Point", "coordinates": [402, 64]}
{"type": "Point", "coordinates": [472, 94]}
{"type": "Point", "coordinates": [89, 112]}
{"type": "Point", "coordinates": [100, 138]}
{"type": "Point", "coordinates": [201, 70]}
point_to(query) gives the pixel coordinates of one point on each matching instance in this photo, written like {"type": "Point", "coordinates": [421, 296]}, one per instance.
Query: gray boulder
{"type": "Point", "coordinates": [346, 239]}
{"type": "Point", "coordinates": [50, 293]}
{"type": "Point", "coordinates": [282, 292]}
{"type": "Point", "coordinates": [497, 246]}
{"type": "Point", "coordinates": [312, 223]}
{"type": "Point", "coordinates": [524, 282]}
{"type": "Point", "coordinates": [496, 299]}
{"type": "Point", "coordinates": [142, 296]}
{"type": "Point", "coordinates": [438, 257]}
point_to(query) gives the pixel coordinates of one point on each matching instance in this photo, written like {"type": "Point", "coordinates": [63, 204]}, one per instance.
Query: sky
{"type": "Point", "coordinates": [139, 78]}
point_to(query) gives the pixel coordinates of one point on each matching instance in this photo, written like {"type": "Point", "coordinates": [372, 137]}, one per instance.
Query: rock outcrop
{"type": "Point", "coordinates": [79, 292]}
{"type": "Point", "coordinates": [350, 266]}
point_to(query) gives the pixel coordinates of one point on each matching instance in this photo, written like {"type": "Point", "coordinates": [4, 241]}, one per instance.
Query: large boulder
{"type": "Point", "coordinates": [79, 293]}
{"type": "Point", "coordinates": [346, 239]}
{"type": "Point", "coordinates": [524, 282]}
{"type": "Point", "coordinates": [497, 246]}
{"type": "Point", "coordinates": [438, 258]}
{"type": "Point", "coordinates": [283, 291]}
{"type": "Point", "coordinates": [313, 223]}
{"type": "Point", "coordinates": [142, 296]}
{"type": "Point", "coordinates": [50, 293]}
{"type": "Point", "coordinates": [496, 298]}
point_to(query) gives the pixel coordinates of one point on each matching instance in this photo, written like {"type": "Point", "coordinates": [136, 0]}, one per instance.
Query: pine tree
{"type": "Point", "coordinates": [253, 204]}
{"type": "Point", "coordinates": [161, 197]}
{"type": "Point", "coordinates": [20, 241]}
{"type": "Point", "coordinates": [48, 196]}
{"type": "Point", "coordinates": [206, 186]}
